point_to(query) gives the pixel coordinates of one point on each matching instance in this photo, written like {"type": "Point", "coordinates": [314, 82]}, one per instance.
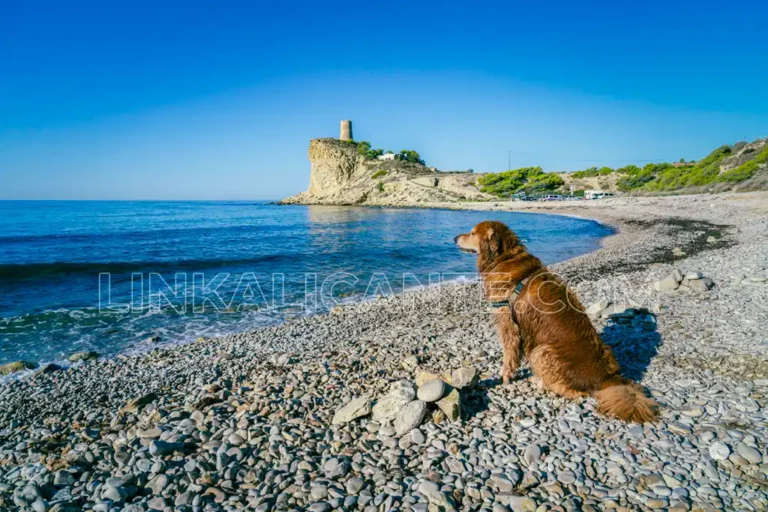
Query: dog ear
{"type": "Point", "coordinates": [494, 241]}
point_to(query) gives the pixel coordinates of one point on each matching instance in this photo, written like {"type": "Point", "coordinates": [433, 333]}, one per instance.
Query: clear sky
{"type": "Point", "coordinates": [218, 100]}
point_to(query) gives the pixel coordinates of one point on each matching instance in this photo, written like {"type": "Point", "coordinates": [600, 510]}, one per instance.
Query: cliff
{"type": "Point", "coordinates": [341, 176]}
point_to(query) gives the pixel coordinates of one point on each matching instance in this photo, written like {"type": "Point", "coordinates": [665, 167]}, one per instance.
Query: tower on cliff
{"type": "Point", "coordinates": [346, 130]}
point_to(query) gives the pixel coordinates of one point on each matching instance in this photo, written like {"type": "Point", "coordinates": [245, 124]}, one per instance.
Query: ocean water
{"type": "Point", "coordinates": [106, 276]}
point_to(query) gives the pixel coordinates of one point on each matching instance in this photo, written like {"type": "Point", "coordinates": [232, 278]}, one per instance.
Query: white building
{"type": "Point", "coordinates": [388, 156]}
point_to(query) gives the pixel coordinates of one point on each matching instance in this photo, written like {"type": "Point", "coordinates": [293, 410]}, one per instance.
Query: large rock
{"type": "Point", "coordinates": [597, 308]}
{"type": "Point", "coordinates": [424, 377]}
{"type": "Point", "coordinates": [389, 405]}
{"type": "Point", "coordinates": [701, 285]}
{"type": "Point", "coordinates": [431, 391]}
{"type": "Point", "coordinates": [668, 284]}
{"type": "Point", "coordinates": [465, 377]}
{"type": "Point", "coordinates": [339, 174]}
{"type": "Point", "coordinates": [357, 408]}
{"type": "Point", "coordinates": [450, 405]}
{"type": "Point", "coordinates": [410, 416]}
{"type": "Point", "coordinates": [83, 356]}
{"type": "Point", "coordinates": [16, 366]}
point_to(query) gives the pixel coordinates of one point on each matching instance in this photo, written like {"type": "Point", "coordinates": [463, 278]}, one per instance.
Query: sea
{"type": "Point", "coordinates": [120, 276]}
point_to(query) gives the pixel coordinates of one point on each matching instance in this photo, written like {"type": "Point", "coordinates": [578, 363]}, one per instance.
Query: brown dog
{"type": "Point", "coordinates": [546, 323]}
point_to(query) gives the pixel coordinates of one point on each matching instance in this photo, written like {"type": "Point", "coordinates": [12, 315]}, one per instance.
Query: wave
{"type": "Point", "coordinates": [21, 271]}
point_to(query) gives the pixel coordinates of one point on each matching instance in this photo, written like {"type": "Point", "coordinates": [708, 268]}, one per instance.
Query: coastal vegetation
{"type": "Point", "coordinates": [526, 180]}
{"type": "Point", "coordinates": [378, 174]}
{"type": "Point", "coordinates": [365, 150]}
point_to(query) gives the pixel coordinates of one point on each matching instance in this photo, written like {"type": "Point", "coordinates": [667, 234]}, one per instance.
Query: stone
{"type": "Point", "coordinates": [711, 239]}
{"type": "Point", "coordinates": [693, 275]}
{"type": "Point", "coordinates": [424, 377]}
{"type": "Point", "coordinates": [515, 502]}
{"type": "Point", "coordinates": [465, 377]}
{"type": "Point", "coordinates": [701, 285]}
{"type": "Point", "coordinates": [749, 453]}
{"type": "Point", "coordinates": [356, 408]}
{"type": "Point", "coordinates": [389, 405]}
{"type": "Point", "coordinates": [532, 453]}
{"type": "Point", "coordinates": [16, 366]}
{"type": "Point", "coordinates": [410, 416]}
{"type": "Point", "coordinates": [335, 468]}
{"type": "Point", "coordinates": [160, 448]}
{"type": "Point", "coordinates": [450, 405]}
{"type": "Point", "coordinates": [83, 356]}
{"type": "Point", "coordinates": [355, 485]}
{"type": "Point", "coordinates": [597, 308]}
{"type": "Point", "coordinates": [668, 284]}
{"type": "Point", "coordinates": [431, 391]}
{"type": "Point", "coordinates": [719, 451]}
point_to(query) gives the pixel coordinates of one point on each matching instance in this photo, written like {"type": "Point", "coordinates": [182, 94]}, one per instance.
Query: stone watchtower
{"type": "Point", "coordinates": [346, 130]}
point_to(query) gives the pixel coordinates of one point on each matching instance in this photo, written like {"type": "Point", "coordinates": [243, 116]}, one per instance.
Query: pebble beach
{"type": "Point", "coordinates": [397, 404]}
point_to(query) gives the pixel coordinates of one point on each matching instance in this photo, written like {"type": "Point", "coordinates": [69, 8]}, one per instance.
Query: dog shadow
{"type": "Point", "coordinates": [635, 341]}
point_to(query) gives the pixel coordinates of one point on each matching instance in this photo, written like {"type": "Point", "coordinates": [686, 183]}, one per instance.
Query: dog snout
{"type": "Point", "coordinates": [456, 239]}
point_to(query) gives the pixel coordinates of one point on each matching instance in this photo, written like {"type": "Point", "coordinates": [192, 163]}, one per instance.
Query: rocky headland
{"type": "Point", "coordinates": [340, 175]}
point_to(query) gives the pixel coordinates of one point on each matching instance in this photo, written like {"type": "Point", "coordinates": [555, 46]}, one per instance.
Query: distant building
{"type": "Point", "coordinates": [346, 130]}
{"type": "Point", "coordinates": [388, 156]}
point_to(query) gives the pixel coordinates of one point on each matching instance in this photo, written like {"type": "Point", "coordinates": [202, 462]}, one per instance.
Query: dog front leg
{"type": "Point", "coordinates": [511, 344]}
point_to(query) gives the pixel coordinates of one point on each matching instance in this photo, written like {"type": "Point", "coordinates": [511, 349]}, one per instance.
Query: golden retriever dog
{"type": "Point", "coordinates": [538, 317]}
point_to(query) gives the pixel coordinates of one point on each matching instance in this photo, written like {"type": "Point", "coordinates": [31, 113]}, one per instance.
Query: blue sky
{"type": "Point", "coordinates": [218, 100]}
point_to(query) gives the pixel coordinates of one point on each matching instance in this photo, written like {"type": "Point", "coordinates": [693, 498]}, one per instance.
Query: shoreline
{"type": "Point", "coordinates": [246, 410]}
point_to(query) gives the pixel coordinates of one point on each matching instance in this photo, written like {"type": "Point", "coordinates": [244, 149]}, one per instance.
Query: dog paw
{"type": "Point", "coordinates": [537, 382]}
{"type": "Point", "coordinates": [507, 376]}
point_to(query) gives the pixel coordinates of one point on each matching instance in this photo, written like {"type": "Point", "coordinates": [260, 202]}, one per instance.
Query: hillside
{"type": "Point", "coordinates": [345, 173]}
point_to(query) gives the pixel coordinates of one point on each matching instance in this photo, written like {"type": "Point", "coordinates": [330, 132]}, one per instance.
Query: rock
{"type": "Point", "coordinates": [749, 453]}
{"type": "Point", "coordinates": [410, 416]}
{"type": "Point", "coordinates": [335, 468]}
{"type": "Point", "coordinates": [424, 377]}
{"type": "Point", "coordinates": [355, 485]}
{"type": "Point", "coordinates": [532, 453]}
{"type": "Point", "coordinates": [678, 275]}
{"type": "Point", "coordinates": [515, 502]}
{"type": "Point", "coordinates": [701, 285]}
{"type": "Point", "coordinates": [135, 404]}
{"type": "Point", "coordinates": [157, 503]}
{"type": "Point", "coordinates": [711, 239]}
{"type": "Point", "coordinates": [678, 252]}
{"type": "Point", "coordinates": [431, 391]}
{"type": "Point", "coordinates": [719, 451]}
{"type": "Point", "coordinates": [160, 448]}
{"type": "Point", "coordinates": [465, 377]}
{"type": "Point", "coordinates": [597, 308]}
{"type": "Point", "coordinates": [389, 405]}
{"type": "Point", "coordinates": [16, 366]}
{"type": "Point", "coordinates": [47, 368]}
{"type": "Point", "coordinates": [356, 408]}
{"type": "Point", "coordinates": [450, 405]}
{"type": "Point", "coordinates": [667, 284]}
{"type": "Point", "coordinates": [151, 340]}
{"type": "Point", "coordinates": [693, 275]}
{"type": "Point", "coordinates": [83, 356]}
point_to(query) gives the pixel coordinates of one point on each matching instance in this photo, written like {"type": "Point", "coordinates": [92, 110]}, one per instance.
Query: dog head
{"type": "Point", "coordinates": [488, 240]}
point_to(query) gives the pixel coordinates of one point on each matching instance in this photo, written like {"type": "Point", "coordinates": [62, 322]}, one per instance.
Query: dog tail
{"type": "Point", "coordinates": [625, 400]}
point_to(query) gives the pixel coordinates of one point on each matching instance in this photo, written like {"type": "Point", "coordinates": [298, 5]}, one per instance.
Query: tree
{"type": "Point", "coordinates": [409, 155]}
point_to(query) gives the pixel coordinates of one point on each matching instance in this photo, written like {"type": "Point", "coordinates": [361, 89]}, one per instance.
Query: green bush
{"type": "Point", "coordinates": [527, 180]}
{"type": "Point", "coordinates": [380, 187]}
{"type": "Point", "coordinates": [410, 155]}
{"type": "Point", "coordinates": [379, 174]}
